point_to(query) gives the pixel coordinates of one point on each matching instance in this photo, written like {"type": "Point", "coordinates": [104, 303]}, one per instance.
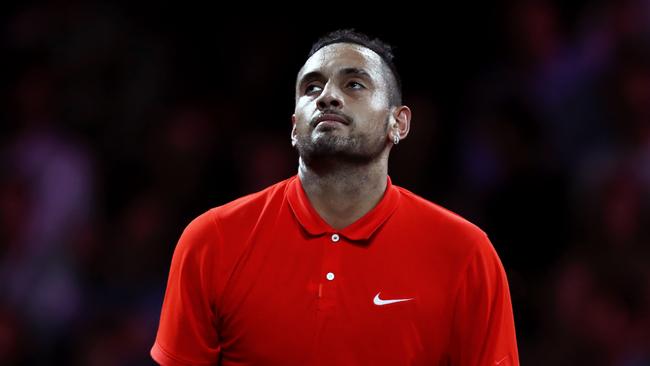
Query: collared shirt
{"type": "Point", "coordinates": [264, 280]}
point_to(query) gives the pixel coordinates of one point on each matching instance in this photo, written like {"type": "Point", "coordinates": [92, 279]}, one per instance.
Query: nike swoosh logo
{"type": "Point", "coordinates": [379, 302]}
{"type": "Point", "coordinates": [503, 359]}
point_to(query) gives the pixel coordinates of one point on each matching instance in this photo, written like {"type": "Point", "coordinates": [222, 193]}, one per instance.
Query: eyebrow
{"type": "Point", "coordinates": [309, 77]}
{"type": "Point", "coordinates": [355, 71]}
{"type": "Point", "coordinates": [313, 75]}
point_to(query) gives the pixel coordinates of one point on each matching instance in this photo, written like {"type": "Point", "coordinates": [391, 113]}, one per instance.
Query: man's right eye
{"type": "Point", "coordinates": [312, 88]}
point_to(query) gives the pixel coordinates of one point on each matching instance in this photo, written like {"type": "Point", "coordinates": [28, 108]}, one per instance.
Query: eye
{"type": "Point", "coordinates": [312, 88]}
{"type": "Point", "coordinates": [355, 85]}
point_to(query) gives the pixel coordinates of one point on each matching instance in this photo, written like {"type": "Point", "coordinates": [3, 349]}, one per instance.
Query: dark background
{"type": "Point", "coordinates": [122, 121]}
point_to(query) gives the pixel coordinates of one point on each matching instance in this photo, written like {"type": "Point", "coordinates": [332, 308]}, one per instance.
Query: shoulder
{"type": "Point", "coordinates": [434, 216]}
{"type": "Point", "coordinates": [209, 226]}
{"type": "Point", "coordinates": [254, 203]}
{"type": "Point", "coordinates": [458, 240]}
{"type": "Point", "coordinates": [239, 212]}
{"type": "Point", "coordinates": [451, 235]}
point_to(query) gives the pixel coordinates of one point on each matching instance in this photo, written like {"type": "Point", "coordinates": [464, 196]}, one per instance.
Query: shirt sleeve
{"type": "Point", "coordinates": [187, 332]}
{"type": "Point", "coordinates": [483, 330]}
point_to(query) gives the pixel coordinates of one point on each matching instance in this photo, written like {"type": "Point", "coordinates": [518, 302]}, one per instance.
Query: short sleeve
{"type": "Point", "coordinates": [187, 332]}
{"type": "Point", "coordinates": [483, 329]}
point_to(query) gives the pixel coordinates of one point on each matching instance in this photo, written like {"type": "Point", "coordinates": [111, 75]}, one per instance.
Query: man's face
{"type": "Point", "coordinates": [342, 109]}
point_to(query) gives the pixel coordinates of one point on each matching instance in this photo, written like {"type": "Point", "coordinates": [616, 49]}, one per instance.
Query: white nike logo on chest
{"type": "Point", "coordinates": [379, 302]}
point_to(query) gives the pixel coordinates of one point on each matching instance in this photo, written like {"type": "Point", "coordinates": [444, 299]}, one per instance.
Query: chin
{"type": "Point", "coordinates": [329, 142]}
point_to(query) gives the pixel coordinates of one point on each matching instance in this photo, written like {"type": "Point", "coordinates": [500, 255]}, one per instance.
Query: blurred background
{"type": "Point", "coordinates": [122, 121]}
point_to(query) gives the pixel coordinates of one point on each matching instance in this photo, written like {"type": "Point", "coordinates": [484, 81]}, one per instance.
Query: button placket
{"type": "Point", "coordinates": [330, 275]}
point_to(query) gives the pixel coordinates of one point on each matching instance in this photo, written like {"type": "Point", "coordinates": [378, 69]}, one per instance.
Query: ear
{"type": "Point", "coordinates": [400, 123]}
{"type": "Point", "coordinates": [294, 139]}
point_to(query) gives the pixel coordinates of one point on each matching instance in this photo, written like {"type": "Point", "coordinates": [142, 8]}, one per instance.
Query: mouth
{"type": "Point", "coordinates": [330, 118]}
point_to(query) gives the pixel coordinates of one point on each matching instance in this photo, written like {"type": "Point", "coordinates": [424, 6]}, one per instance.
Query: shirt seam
{"type": "Point", "coordinates": [178, 359]}
{"type": "Point", "coordinates": [475, 251]}
{"type": "Point", "coordinates": [217, 288]}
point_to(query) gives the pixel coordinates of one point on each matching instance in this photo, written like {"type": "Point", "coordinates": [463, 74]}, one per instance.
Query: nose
{"type": "Point", "coordinates": [329, 98]}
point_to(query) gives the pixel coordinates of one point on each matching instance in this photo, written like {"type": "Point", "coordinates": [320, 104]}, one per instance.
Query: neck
{"type": "Point", "coordinates": [343, 193]}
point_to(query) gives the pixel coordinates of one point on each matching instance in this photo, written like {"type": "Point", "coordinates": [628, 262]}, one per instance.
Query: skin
{"type": "Point", "coordinates": [343, 167]}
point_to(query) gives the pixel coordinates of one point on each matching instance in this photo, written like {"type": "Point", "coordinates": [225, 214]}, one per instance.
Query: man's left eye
{"type": "Point", "coordinates": [355, 85]}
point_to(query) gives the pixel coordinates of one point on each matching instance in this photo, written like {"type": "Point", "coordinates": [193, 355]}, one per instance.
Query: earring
{"type": "Point", "coordinates": [395, 139]}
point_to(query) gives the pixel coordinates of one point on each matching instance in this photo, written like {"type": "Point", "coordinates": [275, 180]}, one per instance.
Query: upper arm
{"type": "Point", "coordinates": [187, 333]}
{"type": "Point", "coordinates": [483, 329]}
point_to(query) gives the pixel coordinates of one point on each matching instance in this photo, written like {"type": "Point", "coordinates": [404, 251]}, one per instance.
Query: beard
{"type": "Point", "coordinates": [327, 146]}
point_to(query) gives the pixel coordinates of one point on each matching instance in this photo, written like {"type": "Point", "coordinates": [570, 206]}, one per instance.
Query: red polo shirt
{"type": "Point", "coordinates": [263, 280]}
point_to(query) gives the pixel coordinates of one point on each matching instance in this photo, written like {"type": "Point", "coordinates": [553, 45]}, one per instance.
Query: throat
{"type": "Point", "coordinates": [342, 197]}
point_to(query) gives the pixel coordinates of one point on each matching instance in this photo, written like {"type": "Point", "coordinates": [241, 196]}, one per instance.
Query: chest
{"type": "Point", "coordinates": [297, 299]}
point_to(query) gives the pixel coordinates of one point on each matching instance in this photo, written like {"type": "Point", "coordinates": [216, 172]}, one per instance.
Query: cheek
{"type": "Point", "coordinates": [378, 107]}
{"type": "Point", "coordinates": [303, 113]}
{"type": "Point", "coordinates": [299, 121]}
{"type": "Point", "coordinates": [380, 118]}
{"type": "Point", "coordinates": [302, 123]}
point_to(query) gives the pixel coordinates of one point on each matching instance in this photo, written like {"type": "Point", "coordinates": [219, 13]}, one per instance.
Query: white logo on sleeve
{"type": "Point", "coordinates": [380, 302]}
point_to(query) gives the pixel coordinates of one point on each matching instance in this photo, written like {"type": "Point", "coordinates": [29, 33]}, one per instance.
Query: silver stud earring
{"type": "Point", "coordinates": [395, 139]}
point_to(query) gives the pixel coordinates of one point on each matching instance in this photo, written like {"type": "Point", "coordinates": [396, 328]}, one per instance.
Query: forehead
{"type": "Point", "coordinates": [337, 56]}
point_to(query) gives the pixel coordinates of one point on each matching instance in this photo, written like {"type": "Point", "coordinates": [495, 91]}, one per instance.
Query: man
{"type": "Point", "coordinates": [337, 266]}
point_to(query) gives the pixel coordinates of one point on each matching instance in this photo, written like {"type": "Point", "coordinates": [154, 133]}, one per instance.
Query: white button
{"type": "Point", "coordinates": [330, 276]}
{"type": "Point", "coordinates": [335, 237]}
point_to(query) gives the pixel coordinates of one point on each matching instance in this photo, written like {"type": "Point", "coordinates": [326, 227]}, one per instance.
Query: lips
{"type": "Point", "coordinates": [331, 117]}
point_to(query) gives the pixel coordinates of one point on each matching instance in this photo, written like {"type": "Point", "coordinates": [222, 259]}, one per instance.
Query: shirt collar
{"type": "Point", "coordinates": [362, 229]}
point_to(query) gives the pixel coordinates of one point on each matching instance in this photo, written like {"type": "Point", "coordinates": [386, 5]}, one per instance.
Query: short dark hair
{"type": "Point", "coordinates": [383, 49]}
